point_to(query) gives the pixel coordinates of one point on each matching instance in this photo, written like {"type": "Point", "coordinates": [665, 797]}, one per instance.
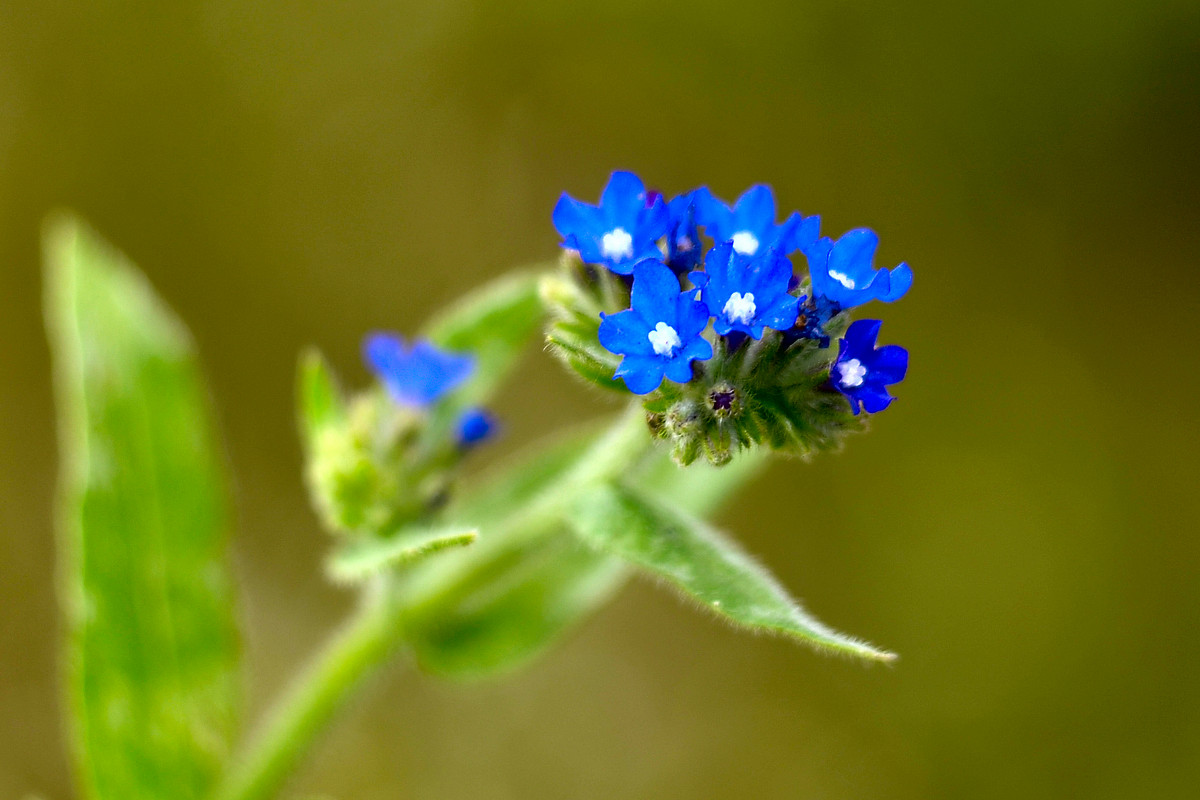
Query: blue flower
{"type": "Point", "coordinates": [622, 230]}
{"type": "Point", "coordinates": [747, 294]}
{"type": "Point", "coordinates": [843, 272]}
{"type": "Point", "coordinates": [814, 316]}
{"type": "Point", "coordinates": [750, 223]}
{"type": "Point", "coordinates": [474, 426]}
{"type": "Point", "coordinates": [419, 375]}
{"type": "Point", "coordinates": [660, 334]}
{"type": "Point", "coordinates": [684, 248]}
{"type": "Point", "coordinates": [863, 372]}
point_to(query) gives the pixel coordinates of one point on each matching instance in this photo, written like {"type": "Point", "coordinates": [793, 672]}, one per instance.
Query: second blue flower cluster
{"type": "Point", "coordinates": [744, 284]}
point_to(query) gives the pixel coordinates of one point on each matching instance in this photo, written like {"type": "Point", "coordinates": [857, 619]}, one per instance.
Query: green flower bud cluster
{"type": "Point", "coordinates": [773, 391]}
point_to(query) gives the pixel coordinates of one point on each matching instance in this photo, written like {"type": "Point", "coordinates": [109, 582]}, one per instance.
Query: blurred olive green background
{"type": "Point", "coordinates": [1022, 525]}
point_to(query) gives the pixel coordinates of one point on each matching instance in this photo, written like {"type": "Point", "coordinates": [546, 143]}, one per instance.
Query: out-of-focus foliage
{"type": "Point", "coordinates": [151, 647]}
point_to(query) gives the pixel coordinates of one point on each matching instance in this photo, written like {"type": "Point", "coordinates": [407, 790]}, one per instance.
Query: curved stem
{"type": "Point", "coordinates": [362, 644]}
{"type": "Point", "coordinates": [376, 631]}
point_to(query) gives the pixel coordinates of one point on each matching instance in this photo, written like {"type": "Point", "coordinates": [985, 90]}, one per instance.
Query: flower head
{"type": "Point", "coordinates": [863, 372]}
{"type": "Point", "coordinates": [419, 375]}
{"type": "Point", "coordinates": [750, 223]}
{"type": "Point", "coordinates": [843, 271]}
{"type": "Point", "coordinates": [474, 426]}
{"type": "Point", "coordinates": [745, 293]}
{"type": "Point", "coordinates": [684, 248]}
{"type": "Point", "coordinates": [660, 334]}
{"type": "Point", "coordinates": [622, 230]}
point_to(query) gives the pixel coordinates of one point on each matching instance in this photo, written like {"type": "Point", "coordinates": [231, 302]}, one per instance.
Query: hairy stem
{"type": "Point", "coordinates": [376, 631]}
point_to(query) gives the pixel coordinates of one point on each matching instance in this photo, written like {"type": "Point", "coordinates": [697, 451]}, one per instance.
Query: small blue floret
{"type": "Point", "coordinates": [660, 334]}
{"type": "Point", "coordinates": [863, 372]}
{"type": "Point", "coordinates": [747, 294]}
{"type": "Point", "coordinates": [684, 248]}
{"type": "Point", "coordinates": [474, 427]}
{"type": "Point", "coordinates": [622, 230]}
{"type": "Point", "coordinates": [415, 376]}
{"type": "Point", "coordinates": [750, 223]}
{"type": "Point", "coordinates": [843, 271]}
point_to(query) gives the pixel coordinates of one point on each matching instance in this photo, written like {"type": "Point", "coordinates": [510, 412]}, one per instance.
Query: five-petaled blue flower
{"type": "Point", "coordinates": [750, 223]}
{"type": "Point", "coordinates": [863, 372]}
{"type": "Point", "coordinates": [660, 334]}
{"type": "Point", "coordinates": [684, 248]}
{"type": "Point", "coordinates": [419, 375]}
{"type": "Point", "coordinates": [474, 426]}
{"type": "Point", "coordinates": [622, 230]}
{"type": "Point", "coordinates": [745, 293]}
{"type": "Point", "coordinates": [843, 272]}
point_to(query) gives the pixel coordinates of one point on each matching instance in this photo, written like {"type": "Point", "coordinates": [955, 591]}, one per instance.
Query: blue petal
{"type": "Point", "coordinates": [698, 279]}
{"type": "Point", "coordinates": [852, 254]}
{"type": "Point", "coordinates": [901, 278]}
{"type": "Point", "coordinates": [804, 235]}
{"type": "Point", "coordinates": [623, 198]}
{"type": "Point", "coordinates": [436, 372]}
{"type": "Point", "coordinates": [653, 221]}
{"type": "Point", "coordinates": [655, 289]}
{"type": "Point", "coordinates": [572, 216]}
{"type": "Point", "coordinates": [697, 349]}
{"type": "Point", "coordinates": [714, 215]}
{"type": "Point", "coordinates": [889, 364]}
{"type": "Point", "coordinates": [874, 400]}
{"type": "Point", "coordinates": [642, 374]}
{"type": "Point", "coordinates": [781, 314]}
{"type": "Point", "coordinates": [384, 354]}
{"type": "Point", "coordinates": [679, 369]}
{"type": "Point", "coordinates": [691, 317]}
{"type": "Point", "coordinates": [860, 337]}
{"type": "Point", "coordinates": [625, 333]}
{"type": "Point", "coordinates": [755, 210]}
{"type": "Point", "coordinates": [588, 247]}
{"type": "Point", "coordinates": [474, 426]}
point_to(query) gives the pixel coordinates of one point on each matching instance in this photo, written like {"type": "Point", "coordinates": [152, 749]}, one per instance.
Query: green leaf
{"type": "Point", "coordinates": [494, 323]}
{"type": "Point", "coordinates": [319, 401]}
{"type": "Point", "coordinates": [511, 597]}
{"type": "Point", "coordinates": [523, 607]}
{"type": "Point", "coordinates": [151, 643]}
{"type": "Point", "coordinates": [704, 565]}
{"type": "Point", "coordinates": [363, 559]}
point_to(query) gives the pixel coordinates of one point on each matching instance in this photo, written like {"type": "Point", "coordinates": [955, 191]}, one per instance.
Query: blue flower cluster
{"type": "Point", "coordinates": [417, 376]}
{"type": "Point", "coordinates": [744, 284]}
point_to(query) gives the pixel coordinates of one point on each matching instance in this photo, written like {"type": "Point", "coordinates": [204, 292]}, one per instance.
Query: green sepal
{"type": "Point", "coordinates": [151, 643]}
{"type": "Point", "coordinates": [363, 559]}
{"type": "Point", "coordinates": [704, 565]}
{"type": "Point", "coordinates": [319, 401]}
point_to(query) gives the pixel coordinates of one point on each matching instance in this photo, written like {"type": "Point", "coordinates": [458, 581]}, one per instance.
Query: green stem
{"type": "Point", "coordinates": [376, 631]}
{"type": "Point", "coordinates": [361, 645]}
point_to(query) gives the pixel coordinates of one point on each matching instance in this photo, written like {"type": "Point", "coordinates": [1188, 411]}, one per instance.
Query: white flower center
{"type": "Point", "coordinates": [842, 278]}
{"type": "Point", "coordinates": [745, 243]}
{"type": "Point", "coordinates": [664, 339]}
{"type": "Point", "coordinates": [617, 244]}
{"type": "Point", "coordinates": [684, 244]}
{"type": "Point", "coordinates": [740, 307]}
{"type": "Point", "coordinates": [853, 373]}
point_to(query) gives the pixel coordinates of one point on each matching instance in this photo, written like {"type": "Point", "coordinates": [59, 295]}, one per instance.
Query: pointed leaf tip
{"type": "Point", "coordinates": [704, 565]}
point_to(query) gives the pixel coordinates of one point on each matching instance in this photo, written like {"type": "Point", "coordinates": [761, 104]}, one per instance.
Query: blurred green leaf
{"type": "Point", "coordinates": [364, 558]}
{"type": "Point", "coordinates": [320, 404]}
{"type": "Point", "coordinates": [521, 609]}
{"type": "Point", "coordinates": [511, 597]}
{"type": "Point", "coordinates": [151, 642]}
{"type": "Point", "coordinates": [495, 323]}
{"type": "Point", "coordinates": [702, 564]}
